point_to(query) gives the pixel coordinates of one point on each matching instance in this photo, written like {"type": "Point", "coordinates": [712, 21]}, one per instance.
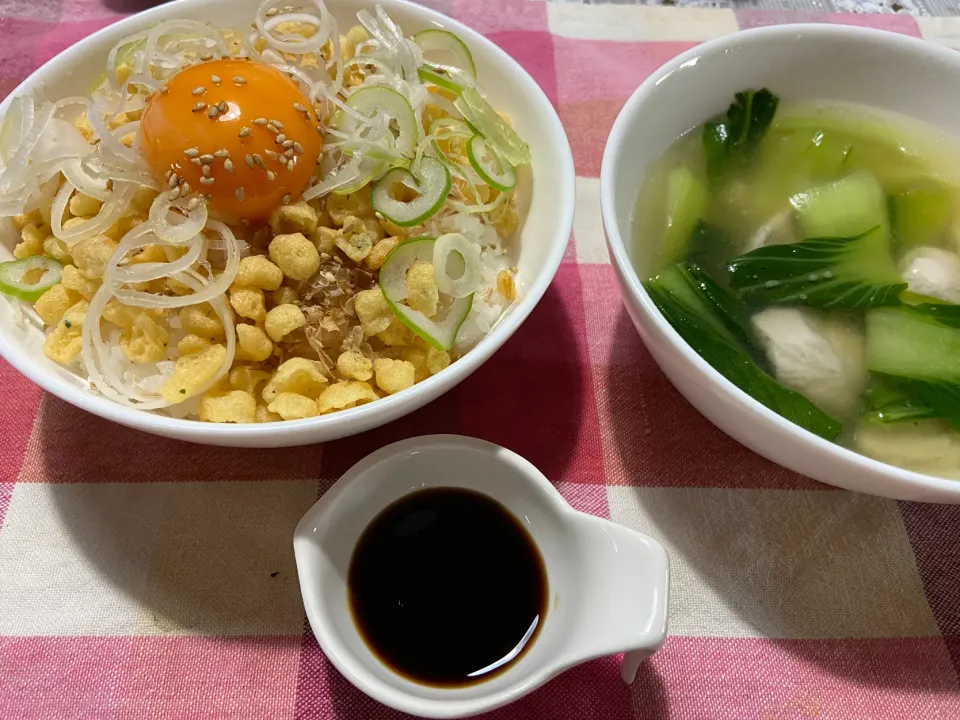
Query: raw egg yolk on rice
{"type": "Point", "coordinates": [239, 132]}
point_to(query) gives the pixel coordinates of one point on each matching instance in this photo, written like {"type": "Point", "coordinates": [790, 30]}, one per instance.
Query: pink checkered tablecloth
{"type": "Point", "coordinates": [143, 578]}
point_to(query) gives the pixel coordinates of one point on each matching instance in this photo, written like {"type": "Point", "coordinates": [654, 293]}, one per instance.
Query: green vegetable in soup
{"type": "Point", "coordinates": [855, 272]}
{"type": "Point", "coordinates": [887, 402]}
{"type": "Point", "coordinates": [911, 343]}
{"type": "Point", "coordinates": [921, 352]}
{"type": "Point", "coordinates": [944, 314]}
{"type": "Point", "coordinates": [709, 246]}
{"type": "Point", "coordinates": [843, 208]}
{"type": "Point", "coordinates": [920, 214]}
{"type": "Point", "coordinates": [686, 202]}
{"type": "Point", "coordinates": [827, 155]}
{"type": "Point", "coordinates": [709, 320]}
{"type": "Point", "coordinates": [689, 285]}
{"type": "Point", "coordinates": [731, 141]}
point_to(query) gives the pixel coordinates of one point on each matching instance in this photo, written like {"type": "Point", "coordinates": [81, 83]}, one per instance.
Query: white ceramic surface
{"type": "Point", "coordinates": [798, 62]}
{"type": "Point", "coordinates": [607, 584]}
{"type": "Point", "coordinates": [538, 248]}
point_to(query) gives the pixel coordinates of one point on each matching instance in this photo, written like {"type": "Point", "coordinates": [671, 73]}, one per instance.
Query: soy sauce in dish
{"type": "Point", "coordinates": [447, 588]}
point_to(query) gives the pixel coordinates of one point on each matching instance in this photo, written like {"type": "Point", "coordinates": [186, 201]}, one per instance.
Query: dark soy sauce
{"type": "Point", "coordinates": [447, 588]}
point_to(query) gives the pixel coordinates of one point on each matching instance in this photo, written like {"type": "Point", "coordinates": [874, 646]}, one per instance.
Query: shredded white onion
{"type": "Point", "coordinates": [76, 174]}
{"type": "Point", "coordinates": [111, 211]}
{"type": "Point", "coordinates": [485, 208]}
{"type": "Point", "coordinates": [209, 290]}
{"type": "Point", "coordinates": [296, 44]}
{"type": "Point", "coordinates": [95, 116]}
{"type": "Point", "coordinates": [140, 237]}
{"type": "Point", "coordinates": [163, 219]}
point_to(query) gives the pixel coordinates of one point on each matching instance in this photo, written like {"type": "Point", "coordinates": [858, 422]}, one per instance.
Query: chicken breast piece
{"type": "Point", "coordinates": [821, 358]}
{"type": "Point", "coordinates": [934, 272]}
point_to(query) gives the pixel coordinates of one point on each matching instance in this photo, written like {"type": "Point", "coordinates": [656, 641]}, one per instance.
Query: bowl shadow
{"type": "Point", "coordinates": [751, 555]}
{"type": "Point", "coordinates": [201, 537]}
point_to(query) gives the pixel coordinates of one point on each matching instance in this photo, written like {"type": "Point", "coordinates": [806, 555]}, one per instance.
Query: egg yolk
{"type": "Point", "coordinates": [238, 132]}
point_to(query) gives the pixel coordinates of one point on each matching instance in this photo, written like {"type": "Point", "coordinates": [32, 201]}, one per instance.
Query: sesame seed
{"type": "Point", "coordinates": [215, 80]}
{"type": "Point", "coordinates": [173, 181]}
{"type": "Point", "coordinates": [273, 155]}
{"type": "Point", "coordinates": [244, 132]}
{"type": "Point", "coordinates": [288, 153]}
{"type": "Point", "coordinates": [174, 194]}
{"type": "Point", "coordinates": [258, 160]}
{"type": "Point", "coordinates": [297, 147]}
{"type": "Point", "coordinates": [271, 12]}
{"type": "Point", "coordinates": [214, 111]}
{"type": "Point", "coordinates": [271, 176]}
{"type": "Point", "coordinates": [164, 90]}
{"type": "Point", "coordinates": [196, 161]}
{"type": "Point", "coordinates": [191, 152]}
{"type": "Point", "coordinates": [280, 139]}
{"type": "Point", "coordinates": [206, 171]}
{"type": "Point", "coordinates": [239, 80]}
{"type": "Point", "coordinates": [277, 124]}
{"type": "Point", "coordinates": [291, 164]}
{"type": "Point", "coordinates": [285, 143]}
{"type": "Point", "coordinates": [299, 108]}
{"type": "Point", "coordinates": [228, 165]}
{"type": "Point", "coordinates": [169, 173]}
{"type": "Point", "coordinates": [206, 56]}
{"type": "Point", "coordinates": [222, 106]}
{"type": "Point", "coordinates": [185, 188]}
{"type": "Point", "coordinates": [199, 90]}
{"type": "Point", "coordinates": [222, 153]}
{"type": "Point", "coordinates": [260, 121]}
{"type": "Point", "coordinates": [249, 161]}
{"type": "Point", "coordinates": [206, 181]}
{"type": "Point", "coordinates": [206, 158]}
{"type": "Point", "coordinates": [193, 204]}
{"type": "Point", "coordinates": [319, 159]}
{"type": "Point", "coordinates": [199, 106]}
{"type": "Point", "coordinates": [241, 194]}
{"type": "Point", "coordinates": [286, 199]}
{"type": "Point", "coordinates": [272, 129]}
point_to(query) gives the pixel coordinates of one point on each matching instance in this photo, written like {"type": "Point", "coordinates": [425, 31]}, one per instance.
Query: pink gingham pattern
{"type": "Point", "coordinates": [142, 578]}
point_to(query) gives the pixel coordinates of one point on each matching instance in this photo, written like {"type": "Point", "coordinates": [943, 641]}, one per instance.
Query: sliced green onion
{"type": "Point", "coordinates": [479, 113]}
{"type": "Point", "coordinates": [371, 101]}
{"type": "Point", "coordinates": [488, 165]}
{"type": "Point", "coordinates": [430, 179]}
{"type": "Point", "coordinates": [11, 277]}
{"type": "Point", "coordinates": [436, 41]}
{"type": "Point", "coordinates": [376, 169]}
{"type": "Point", "coordinates": [450, 126]}
{"type": "Point", "coordinates": [447, 250]}
{"type": "Point", "coordinates": [449, 78]}
{"type": "Point", "coordinates": [440, 332]}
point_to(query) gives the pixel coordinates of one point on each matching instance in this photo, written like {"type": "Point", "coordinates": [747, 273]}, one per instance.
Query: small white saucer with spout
{"type": "Point", "coordinates": [607, 589]}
